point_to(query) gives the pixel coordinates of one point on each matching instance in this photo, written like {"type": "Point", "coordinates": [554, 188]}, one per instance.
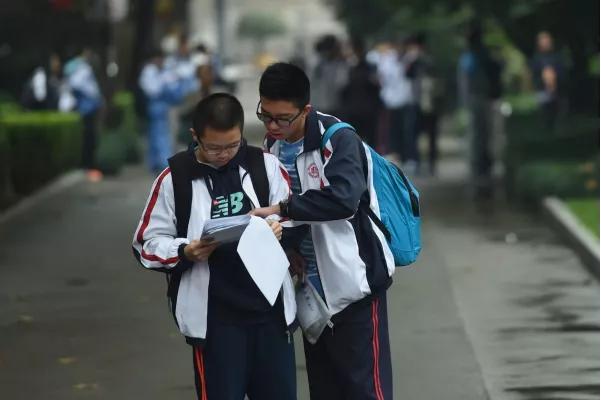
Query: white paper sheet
{"type": "Point", "coordinates": [263, 257]}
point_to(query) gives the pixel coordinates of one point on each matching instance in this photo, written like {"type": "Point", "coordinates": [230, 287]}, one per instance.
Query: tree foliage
{"type": "Point", "coordinates": [260, 26]}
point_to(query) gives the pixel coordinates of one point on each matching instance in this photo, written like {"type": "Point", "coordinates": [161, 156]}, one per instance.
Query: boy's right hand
{"type": "Point", "coordinates": [200, 250]}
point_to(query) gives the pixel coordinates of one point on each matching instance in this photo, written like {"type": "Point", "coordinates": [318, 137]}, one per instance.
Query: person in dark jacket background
{"type": "Point", "coordinates": [548, 75]}
{"type": "Point", "coordinates": [360, 102]}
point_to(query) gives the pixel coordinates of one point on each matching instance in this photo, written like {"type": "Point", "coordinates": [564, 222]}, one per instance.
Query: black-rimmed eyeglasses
{"type": "Point", "coordinates": [279, 121]}
{"type": "Point", "coordinates": [213, 150]}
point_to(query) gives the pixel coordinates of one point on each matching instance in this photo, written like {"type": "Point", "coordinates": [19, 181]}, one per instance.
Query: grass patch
{"type": "Point", "coordinates": [587, 211]}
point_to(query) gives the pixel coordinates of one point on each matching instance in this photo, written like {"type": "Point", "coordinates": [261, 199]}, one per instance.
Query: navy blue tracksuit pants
{"type": "Point", "coordinates": [252, 359]}
{"type": "Point", "coordinates": [352, 360]}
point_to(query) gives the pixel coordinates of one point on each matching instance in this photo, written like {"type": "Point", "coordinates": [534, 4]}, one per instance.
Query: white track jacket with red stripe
{"type": "Point", "coordinates": [157, 244]}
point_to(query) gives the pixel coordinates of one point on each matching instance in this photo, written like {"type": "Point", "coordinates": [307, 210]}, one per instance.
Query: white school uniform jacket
{"type": "Point", "coordinates": [353, 258]}
{"type": "Point", "coordinates": [156, 244]}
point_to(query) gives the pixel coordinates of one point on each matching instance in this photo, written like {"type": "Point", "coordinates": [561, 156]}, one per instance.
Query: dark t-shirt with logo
{"type": "Point", "coordinates": [233, 295]}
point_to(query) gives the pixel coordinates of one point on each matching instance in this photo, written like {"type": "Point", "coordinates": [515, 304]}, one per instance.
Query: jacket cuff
{"type": "Point", "coordinates": [290, 206]}
{"type": "Point", "coordinates": [284, 209]}
{"type": "Point", "coordinates": [184, 262]}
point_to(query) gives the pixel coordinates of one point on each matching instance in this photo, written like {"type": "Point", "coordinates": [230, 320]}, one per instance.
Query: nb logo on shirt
{"type": "Point", "coordinates": [226, 206]}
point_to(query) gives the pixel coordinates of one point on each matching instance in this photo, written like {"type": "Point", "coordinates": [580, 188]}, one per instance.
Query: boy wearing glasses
{"type": "Point", "coordinates": [347, 257]}
{"type": "Point", "coordinates": [241, 344]}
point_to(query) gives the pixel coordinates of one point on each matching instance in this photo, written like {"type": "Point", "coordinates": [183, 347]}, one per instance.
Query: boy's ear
{"type": "Point", "coordinates": [193, 133]}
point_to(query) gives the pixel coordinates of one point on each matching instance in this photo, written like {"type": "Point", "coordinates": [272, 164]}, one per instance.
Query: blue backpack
{"type": "Point", "coordinates": [399, 204]}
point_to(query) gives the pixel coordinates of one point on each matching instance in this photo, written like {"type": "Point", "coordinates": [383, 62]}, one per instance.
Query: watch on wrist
{"type": "Point", "coordinates": [284, 208]}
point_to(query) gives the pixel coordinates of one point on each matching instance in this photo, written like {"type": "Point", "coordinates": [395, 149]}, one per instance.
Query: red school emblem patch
{"type": "Point", "coordinates": [313, 171]}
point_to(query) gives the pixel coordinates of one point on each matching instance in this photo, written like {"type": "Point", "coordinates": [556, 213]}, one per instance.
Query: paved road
{"type": "Point", "coordinates": [475, 318]}
{"type": "Point", "coordinates": [531, 310]}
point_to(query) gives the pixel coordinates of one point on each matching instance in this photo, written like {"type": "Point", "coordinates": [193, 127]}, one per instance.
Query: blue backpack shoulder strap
{"type": "Point", "coordinates": [332, 130]}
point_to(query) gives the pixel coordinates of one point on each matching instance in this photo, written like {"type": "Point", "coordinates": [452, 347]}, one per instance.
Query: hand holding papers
{"type": "Point", "coordinates": [225, 230]}
{"type": "Point", "coordinates": [258, 248]}
{"type": "Point", "coordinates": [263, 257]}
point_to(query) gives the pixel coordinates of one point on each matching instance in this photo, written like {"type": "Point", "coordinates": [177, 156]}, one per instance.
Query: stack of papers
{"type": "Point", "coordinates": [225, 230]}
{"type": "Point", "coordinates": [258, 248]}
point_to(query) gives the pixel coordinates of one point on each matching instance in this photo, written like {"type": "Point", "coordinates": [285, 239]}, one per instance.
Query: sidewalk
{"type": "Point", "coordinates": [496, 307]}
{"type": "Point", "coordinates": [530, 307]}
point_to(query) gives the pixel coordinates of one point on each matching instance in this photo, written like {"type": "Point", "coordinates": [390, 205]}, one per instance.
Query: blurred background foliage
{"type": "Point", "coordinates": [537, 161]}
{"type": "Point", "coordinates": [510, 25]}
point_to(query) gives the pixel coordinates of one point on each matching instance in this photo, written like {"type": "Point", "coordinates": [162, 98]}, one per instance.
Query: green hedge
{"type": "Point", "coordinates": [41, 145]}
{"type": "Point", "coordinates": [7, 194]}
{"type": "Point", "coordinates": [36, 146]}
{"type": "Point", "coordinates": [111, 153]}
{"type": "Point", "coordinates": [527, 129]}
{"type": "Point", "coordinates": [575, 140]}
{"type": "Point", "coordinates": [522, 103]}
{"type": "Point", "coordinates": [9, 108]}
{"type": "Point", "coordinates": [538, 179]}
{"type": "Point", "coordinates": [119, 141]}
{"type": "Point", "coordinates": [128, 127]}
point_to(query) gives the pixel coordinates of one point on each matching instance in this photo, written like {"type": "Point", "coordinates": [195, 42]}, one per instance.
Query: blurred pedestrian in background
{"type": "Point", "coordinates": [42, 91]}
{"type": "Point", "coordinates": [203, 62]}
{"type": "Point", "coordinates": [414, 67]}
{"type": "Point", "coordinates": [479, 84]}
{"type": "Point", "coordinates": [548, 74]}
{"type": "Point", "coordinates": [360, 103]}
{"type": "Point", "coordinates": [180, 63]}
{"type": "Point", "coordinates": [163, 88]}
{"type": "Point", "coordinates": [428, 95]}
{"type": "Point", "coordinates": [396, 96]}
{"type": "Point", "coordinates": [329, 76]}
{"type": "Point", "coordinates": [88, 99]}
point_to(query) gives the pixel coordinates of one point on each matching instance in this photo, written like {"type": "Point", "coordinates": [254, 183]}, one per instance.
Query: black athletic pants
{"type": "Point", "coordinates": [352, 360]}
{"type": "Point", "coordinates": [252, 359]}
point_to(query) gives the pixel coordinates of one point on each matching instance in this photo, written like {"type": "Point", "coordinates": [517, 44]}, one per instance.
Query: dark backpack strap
{"type": "Point", "coordinates": [412, 197]}
{"type": "Point", "coordinates": [258, 174]}
{"type": "Point", "coordinates": [378, 223]}
{"type": "Point", "coordinates": [182, 193]}
{"type": "Point", "coordinates": [182, 190]}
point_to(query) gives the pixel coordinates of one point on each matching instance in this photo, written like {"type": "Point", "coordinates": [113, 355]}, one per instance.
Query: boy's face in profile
{"type": "Point", "coordinates": [217, 147]}
{"type": "Point", "coordinates": [282, 119]}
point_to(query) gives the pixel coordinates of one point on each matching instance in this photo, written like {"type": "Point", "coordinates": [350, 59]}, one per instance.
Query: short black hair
{"type": "Point", "coordinates": [220, 111]}
{"type": "Point", "coordinates": [285, 81]}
